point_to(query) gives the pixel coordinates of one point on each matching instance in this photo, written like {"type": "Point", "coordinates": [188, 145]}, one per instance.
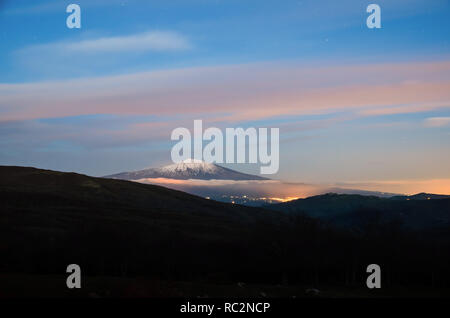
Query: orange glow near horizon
{"type": "Point", "coordinates": [407, 187]}
{"type": "Point", "coordinates": [280, 191]}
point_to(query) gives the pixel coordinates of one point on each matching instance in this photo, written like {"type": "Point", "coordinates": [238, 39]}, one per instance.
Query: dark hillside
{"type": "Point", "coordinates": [418, 212]}
{"type": "Point", "coordinates": [115, 228]}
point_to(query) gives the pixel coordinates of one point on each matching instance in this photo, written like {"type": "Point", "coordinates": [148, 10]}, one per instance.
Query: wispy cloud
{"type": "Point", "coordinates": [253, 188]}
{"type": "Point", "coordinates": [147, 41]}
{"type": "Point", "coordinates": [404, 109]}
{"type": "Point", "coordinates": [83, 56]}
{"type": "Point", "coordinates": [234, 93]}
{"type": "Point", "coordinates": [437, 121]}
{"type": "Point", "coordinates": [281, 189]}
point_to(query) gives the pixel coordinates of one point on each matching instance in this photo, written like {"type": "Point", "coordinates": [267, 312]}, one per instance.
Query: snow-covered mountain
{"type": "Point", "coordinates": [188, 169]}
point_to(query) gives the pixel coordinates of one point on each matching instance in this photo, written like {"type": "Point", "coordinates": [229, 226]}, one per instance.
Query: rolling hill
{"type": "Point", "coordinates": [419, 211]}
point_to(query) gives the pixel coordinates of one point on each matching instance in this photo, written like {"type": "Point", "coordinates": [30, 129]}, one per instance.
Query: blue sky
{"type": "Point", "coordinates": [105, 97]}
{"type": "Point", "coordinates": [218, 32]}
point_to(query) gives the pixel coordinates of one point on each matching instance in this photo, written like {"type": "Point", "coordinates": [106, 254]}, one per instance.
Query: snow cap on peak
{"type": "Point", "coordinates": [190, 160]}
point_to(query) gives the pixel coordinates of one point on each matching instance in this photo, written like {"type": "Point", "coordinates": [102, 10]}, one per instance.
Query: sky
{"type": "Point", "coordinates": [360, 107]}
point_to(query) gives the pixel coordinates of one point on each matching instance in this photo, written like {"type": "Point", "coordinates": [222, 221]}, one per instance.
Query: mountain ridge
{"type": "Point", "coordinates": [53, 188]}
{"type": "Point", "coordinates": [354, 210]}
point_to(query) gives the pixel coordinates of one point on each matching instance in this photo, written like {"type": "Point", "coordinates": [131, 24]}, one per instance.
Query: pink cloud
{"type": "Point", "coordinates": [237, 93]}
{"type": "Point", "coordinates": [437, 121]}
{"type": "Point", "coordinates": [404, 109]}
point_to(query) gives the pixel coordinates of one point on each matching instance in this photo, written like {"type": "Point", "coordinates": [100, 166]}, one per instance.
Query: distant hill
{"type": "Point", "coordinates": [31, 188]}
{"type": "Point", "coordinates": [189, 169]}
{"type": "Point", "coordinates": [416, 212]}
{"type": "Point", "coordinates": [44, 213]}
{"type": "Point", "coordinates": [421, 196]}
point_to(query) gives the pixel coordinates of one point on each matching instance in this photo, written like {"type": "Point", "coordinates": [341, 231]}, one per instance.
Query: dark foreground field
{"type": "Point", "coordinates": [140, 240]}
{"type": "Point", "coordinates": [54, 286]}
